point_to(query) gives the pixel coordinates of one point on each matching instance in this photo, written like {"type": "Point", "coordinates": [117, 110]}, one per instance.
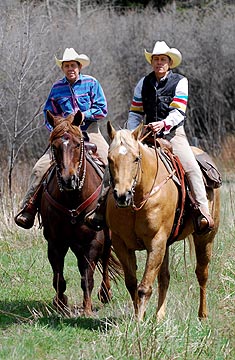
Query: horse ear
{"type": "Point", "coordinates": [138, 131]}
{"type": "Point", "coordinates": [50, 118]}
{"type": "Point", "coordinates": [111, 130]}
{"type": "Point", "coordinates": [78, 118]}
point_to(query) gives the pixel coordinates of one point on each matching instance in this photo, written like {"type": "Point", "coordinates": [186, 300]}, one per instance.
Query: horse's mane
{"type": "Point", "coordinates": [63, 127]}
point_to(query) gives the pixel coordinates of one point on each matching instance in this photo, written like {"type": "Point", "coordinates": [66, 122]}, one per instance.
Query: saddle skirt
{"type": "Point", "coordinates": [93, 156]}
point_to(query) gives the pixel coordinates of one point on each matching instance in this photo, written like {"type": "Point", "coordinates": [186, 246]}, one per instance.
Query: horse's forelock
{"type": "Point", "coordinates": [65, 127]}
{"type": "Point", "coordinates": [123, 137]}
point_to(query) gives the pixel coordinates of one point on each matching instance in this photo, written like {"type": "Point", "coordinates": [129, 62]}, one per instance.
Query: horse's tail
{"type": "Point", "coordinates": [191, 246]}
{"type": "Point", "coordinates": [115, 269]}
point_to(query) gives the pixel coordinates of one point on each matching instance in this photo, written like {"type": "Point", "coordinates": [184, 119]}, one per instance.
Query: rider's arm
{"type": "Point", "coordinates": [97, 108]}
{"type": "Point", "coordinates": [177, 106]}
{"type": "Point", "coordinates": [136, 113]}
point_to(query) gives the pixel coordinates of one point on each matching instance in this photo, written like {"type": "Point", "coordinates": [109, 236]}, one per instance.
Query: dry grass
{"type": "Point", "coordinates": [226, 159]}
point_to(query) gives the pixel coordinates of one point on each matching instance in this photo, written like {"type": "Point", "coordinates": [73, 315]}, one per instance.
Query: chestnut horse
{"type": "Point", "coordinates": [140, 213]}
{"type": "Point", "coordinates": [70, 192]}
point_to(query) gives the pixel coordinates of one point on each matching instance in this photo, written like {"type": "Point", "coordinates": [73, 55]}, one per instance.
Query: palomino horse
{"type": "Point", "coordinates": [70, 192]}
{"type": "Point", "coordinates": [140, 213]}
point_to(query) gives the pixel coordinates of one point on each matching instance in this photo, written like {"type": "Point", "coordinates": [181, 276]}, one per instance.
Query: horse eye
{"type": "Point", "coordinates": [136, 159]}
{"type": "Point", "coordinates": [53, 148]}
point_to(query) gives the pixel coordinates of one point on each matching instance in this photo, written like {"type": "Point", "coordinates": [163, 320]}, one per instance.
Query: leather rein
{"type": "Point", "coordinates": [154, 189]}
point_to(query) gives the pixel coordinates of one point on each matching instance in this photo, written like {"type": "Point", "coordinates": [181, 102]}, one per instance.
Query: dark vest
{"type": "Point", "coordinates": [157, 97]}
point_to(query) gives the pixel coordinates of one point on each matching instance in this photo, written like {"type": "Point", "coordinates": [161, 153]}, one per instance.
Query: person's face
{"type": "Point", "coordinates": [71, 70]}
{"type": "Point", "coordinates": [161, 65]}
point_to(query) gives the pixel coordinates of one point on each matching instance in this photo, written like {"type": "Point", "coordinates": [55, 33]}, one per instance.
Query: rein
{"type": "Point", "coordinates": [152, 192]}
{"type": "Point", "coordinates": [154, 189]}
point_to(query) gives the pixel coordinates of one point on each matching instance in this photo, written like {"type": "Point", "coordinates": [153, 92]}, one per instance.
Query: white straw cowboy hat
{"type": "Point", "coordinates": [71, 55]}
{"type": "Point", "coordinates": [161, 48]}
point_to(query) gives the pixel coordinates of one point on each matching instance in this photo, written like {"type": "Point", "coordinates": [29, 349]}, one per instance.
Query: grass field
{"type": "Point", "coordinates": [31, 329]}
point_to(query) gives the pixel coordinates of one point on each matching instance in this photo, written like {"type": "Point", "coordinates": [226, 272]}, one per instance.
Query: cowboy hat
{"type": "Point", "coordinates": [71, 55]}
{"type": "Point", "coordinates": [161, 48]}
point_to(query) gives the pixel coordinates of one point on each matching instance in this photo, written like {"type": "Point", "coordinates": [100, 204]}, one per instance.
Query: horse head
{"type": "Point", "coordinates": [124, 163]}
{"type": "Point", "coordinates": [67, 147]}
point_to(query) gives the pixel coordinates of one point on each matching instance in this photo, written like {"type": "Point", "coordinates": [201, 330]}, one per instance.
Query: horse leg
{"type": "Point", "coordinates": [129, 267]}
{"type": "Point", "coordinates": [153, 263]}
{"type": "Point", "coordinates": [105, 293]}
{"type": "Point", "coordinates": [86, 260]}
{"type": "Point", "coordinates": [163, 284]}
{"type": "Point", "coordinates": [87, 284]}
{"type": "Point", "coordinates": [128, 260]}
{"type": "Point", "coordinates": [56, 258]}
{"type": "Point", "coordinates": [203, 249]}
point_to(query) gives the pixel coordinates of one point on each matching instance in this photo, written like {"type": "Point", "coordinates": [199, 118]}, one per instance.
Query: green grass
{"type": "Point", "coordinates": [31, 329]}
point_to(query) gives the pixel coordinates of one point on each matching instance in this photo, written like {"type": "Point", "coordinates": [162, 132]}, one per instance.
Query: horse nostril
{"type": "Point", "coordinates": [115, 194]}
{"type": "Point", "coordinates": [73, 181]}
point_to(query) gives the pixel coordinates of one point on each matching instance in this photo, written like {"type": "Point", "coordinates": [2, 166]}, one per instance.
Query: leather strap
{"type": "Point", "coordinates": [73, 213]}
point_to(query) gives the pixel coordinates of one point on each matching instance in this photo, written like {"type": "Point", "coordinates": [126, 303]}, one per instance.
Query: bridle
{"type": "Point", "coordinates": [146, 196]}
{"type": "Point", "coordinates": [154, 188]}
{"type": "Point", "coordinates": [73, 213]}
{"type": "Point", "coordinates": [81, 170]}
{"type": "Point", "coordinates": [135, 178]}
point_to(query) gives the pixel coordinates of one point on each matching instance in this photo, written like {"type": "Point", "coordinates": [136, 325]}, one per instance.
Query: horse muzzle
{"type": "Point", "coordinates": [70, 184]}
{"type": "Point", "coordinates": [123, 200]}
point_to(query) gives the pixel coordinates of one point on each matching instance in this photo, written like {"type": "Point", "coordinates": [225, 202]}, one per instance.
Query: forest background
{"type": "Point", "coordinates": [114, 37]}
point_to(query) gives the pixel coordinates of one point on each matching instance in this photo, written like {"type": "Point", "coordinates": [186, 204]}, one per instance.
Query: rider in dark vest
{"type": "Point", "coordinates": [160, 99]}
{"type": "Point", "coordinates": [157, 97]}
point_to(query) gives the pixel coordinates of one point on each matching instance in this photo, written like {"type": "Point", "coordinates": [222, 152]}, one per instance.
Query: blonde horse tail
{"type": "Point", "coordinates": [191, 247]}
{"type": "Point", "coordinates": [191, 253]}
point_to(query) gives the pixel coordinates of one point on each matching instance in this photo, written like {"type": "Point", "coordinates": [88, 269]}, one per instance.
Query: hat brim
{"type": "Point", "coordinates": [82, 59]}
{"type": "Point", "coordinates": [174, 54]}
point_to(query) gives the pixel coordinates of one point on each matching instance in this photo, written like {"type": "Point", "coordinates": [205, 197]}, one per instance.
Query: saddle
{"type": "Point", "coordinates": [211, 177]}
{"type": "Point", "coordinates": [92, 154]}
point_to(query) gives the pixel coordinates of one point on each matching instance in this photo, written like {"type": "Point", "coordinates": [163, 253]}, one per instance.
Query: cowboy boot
{"type": "Point", "coordinates": [25, 218]}
{"type": "Point", "coordinates": [203, 221]}
{"type": "Point", "coordinates": [96, 219]}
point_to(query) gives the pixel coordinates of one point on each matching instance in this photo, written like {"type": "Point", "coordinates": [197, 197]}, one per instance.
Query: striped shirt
{"type": "Point", "coordinates": [86, 95]}
{"type": "Point", "coordinates": [177, 107]}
